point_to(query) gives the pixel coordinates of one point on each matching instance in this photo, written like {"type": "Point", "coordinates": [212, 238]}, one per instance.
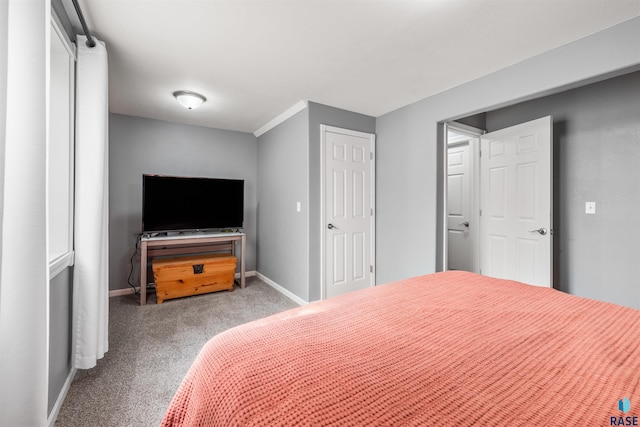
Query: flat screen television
{"type": "Point", "coordinates": [176, 203]}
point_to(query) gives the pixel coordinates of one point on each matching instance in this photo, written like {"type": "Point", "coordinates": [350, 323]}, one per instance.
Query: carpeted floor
{"type": "Point", "coordinates": [150, 350]}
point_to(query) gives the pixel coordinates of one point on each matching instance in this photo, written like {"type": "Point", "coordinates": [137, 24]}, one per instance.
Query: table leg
{"type": "Point", "coordinates": [242, 265]}
{"type": "Point", "coordinates": [143, 273]}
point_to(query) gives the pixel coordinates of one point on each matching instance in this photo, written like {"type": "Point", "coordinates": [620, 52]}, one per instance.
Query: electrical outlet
{"type": "Point", "coordinates": [590, 207]}
{"type": "Point", "coordinates": [298, 206]}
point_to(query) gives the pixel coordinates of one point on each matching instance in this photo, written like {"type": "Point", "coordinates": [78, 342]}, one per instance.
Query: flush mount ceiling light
{"type": "Point", "coordinates": [188, 99]}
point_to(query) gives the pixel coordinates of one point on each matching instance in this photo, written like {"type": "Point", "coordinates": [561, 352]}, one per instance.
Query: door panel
{"type": "Point", "coordinates": [516, 202]}
{"type": "Point", "coordinates": [339, 267]}
{"type": "Point", "coordinates": [359, 248]}
{"type": "Point", "coordinates": [348, 213]}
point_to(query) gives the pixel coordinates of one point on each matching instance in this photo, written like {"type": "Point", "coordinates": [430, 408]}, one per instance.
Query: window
{"type": "Point", "coordinates": [60, 144]}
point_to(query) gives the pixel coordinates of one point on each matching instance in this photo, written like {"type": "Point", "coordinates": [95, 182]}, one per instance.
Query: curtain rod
{"type": "Point", "coordinates": [90, 41]}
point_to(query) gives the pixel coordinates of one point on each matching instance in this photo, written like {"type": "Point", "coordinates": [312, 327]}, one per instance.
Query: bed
{"type": "Point", "coordinates": [446, 349]}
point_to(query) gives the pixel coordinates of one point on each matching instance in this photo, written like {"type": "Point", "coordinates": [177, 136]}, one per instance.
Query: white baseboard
{"type": "Point", "coordinates": [123, 291]}
{"type": "Point", "coordinates": [282, 290]}
{"type": "Point", "coordinates": [251, 273]}
{"type": "Point", "coordinates": [60, 400]}
{"type": "Point", "coordinates": [129, 290]}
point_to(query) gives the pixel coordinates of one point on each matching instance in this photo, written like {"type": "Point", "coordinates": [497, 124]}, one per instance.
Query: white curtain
{"type": "Point", "coordinates": [24, 282]}
{"type": "Point", "coordinates": [91, 230]}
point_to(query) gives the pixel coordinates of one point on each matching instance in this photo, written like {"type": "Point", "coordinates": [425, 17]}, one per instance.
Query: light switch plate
{"type": "Point", "coordinates": [590, 207]}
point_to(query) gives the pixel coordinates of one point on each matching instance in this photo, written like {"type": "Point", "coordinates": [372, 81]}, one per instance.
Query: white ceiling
{"type": "Point", "coordinates": [254, 59]}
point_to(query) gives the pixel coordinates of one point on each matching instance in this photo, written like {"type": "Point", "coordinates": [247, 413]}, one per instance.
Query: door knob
{"type": "Point", "coordinates": [331, 227]}
{"type": "Point", "coordinates": [466, 223]}
{"type": "Point", "coordinates": [541, 231]}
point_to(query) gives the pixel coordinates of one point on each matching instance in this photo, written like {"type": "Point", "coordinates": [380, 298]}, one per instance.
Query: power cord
{"type": "Point", "coordinates": [135, 252]}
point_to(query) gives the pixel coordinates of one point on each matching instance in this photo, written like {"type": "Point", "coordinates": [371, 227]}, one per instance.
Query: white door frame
{"type": "Point", "coordinates": [323, 143]}
{"type": "Point", "coordinates": [474, 215]}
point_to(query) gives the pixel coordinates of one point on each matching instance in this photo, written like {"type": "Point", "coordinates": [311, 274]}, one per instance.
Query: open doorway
{"type": "Point", "coordinates": [498, 201]}
{"type": "Point", "coordinates": [461, 214]}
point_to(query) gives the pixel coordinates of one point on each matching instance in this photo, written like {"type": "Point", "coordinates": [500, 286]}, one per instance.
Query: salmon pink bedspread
{"type": "Point", "coordinates": [448, 349]}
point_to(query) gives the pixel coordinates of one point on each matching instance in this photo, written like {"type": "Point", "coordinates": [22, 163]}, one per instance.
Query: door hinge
{"type": "Point", "coordinates": [371, 212]}
{"type": "Point", "coordinates": [371, 269]}
{"type": "Point", "coordinates": [371, 155]}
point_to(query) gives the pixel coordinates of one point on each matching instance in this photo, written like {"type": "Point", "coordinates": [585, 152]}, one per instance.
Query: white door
{"type": "Point", "coordinates": [459, 244]}
{"type": "Point", "coordinates": [348, 237]}
{"type": "Point", "coordinates": [516, 203]}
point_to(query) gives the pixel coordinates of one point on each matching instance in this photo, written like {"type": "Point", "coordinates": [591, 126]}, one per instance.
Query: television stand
{"type": "Point", "coordinates": [185, 244]}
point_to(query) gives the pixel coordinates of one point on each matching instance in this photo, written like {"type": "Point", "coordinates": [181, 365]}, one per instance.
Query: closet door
{"type": "Point", "coordinates": [348, 188]}
{"type": "Point", "coordinates": [459, 242]}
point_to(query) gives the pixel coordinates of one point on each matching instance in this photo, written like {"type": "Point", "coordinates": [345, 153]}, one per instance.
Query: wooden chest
{"type": "Point", "coordinates": [193, 275]}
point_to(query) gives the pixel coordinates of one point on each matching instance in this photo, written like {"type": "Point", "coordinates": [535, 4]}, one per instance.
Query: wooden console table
{"type": "Point", "coordinates": [188, 244]}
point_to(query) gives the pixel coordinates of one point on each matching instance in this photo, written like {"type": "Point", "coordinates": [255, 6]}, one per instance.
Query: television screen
{"type": "Point", "coordinates": [172, 203]}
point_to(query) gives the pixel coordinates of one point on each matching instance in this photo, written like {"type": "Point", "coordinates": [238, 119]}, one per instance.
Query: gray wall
{"type": "Point", "coordinates": [138, 146]}
{"type": "Point", "coordinates": [408, 149]}
{"type": "Point", "coordinates": [283, 180]}
{"type": "Point", "coordinates": [596, 156]}
{"type": "Point", "coordinates": [60, 300]}
{"type": "Point", "coordinates": [322, 114]}
{"type": "Point", "coordinates": [288, 172]}
{"type": "Point", "coordinates": [478, 121]}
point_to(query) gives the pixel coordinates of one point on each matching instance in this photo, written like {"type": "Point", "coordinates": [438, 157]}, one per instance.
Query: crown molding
{"type": "Point", "coordinates": [290, 112]}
